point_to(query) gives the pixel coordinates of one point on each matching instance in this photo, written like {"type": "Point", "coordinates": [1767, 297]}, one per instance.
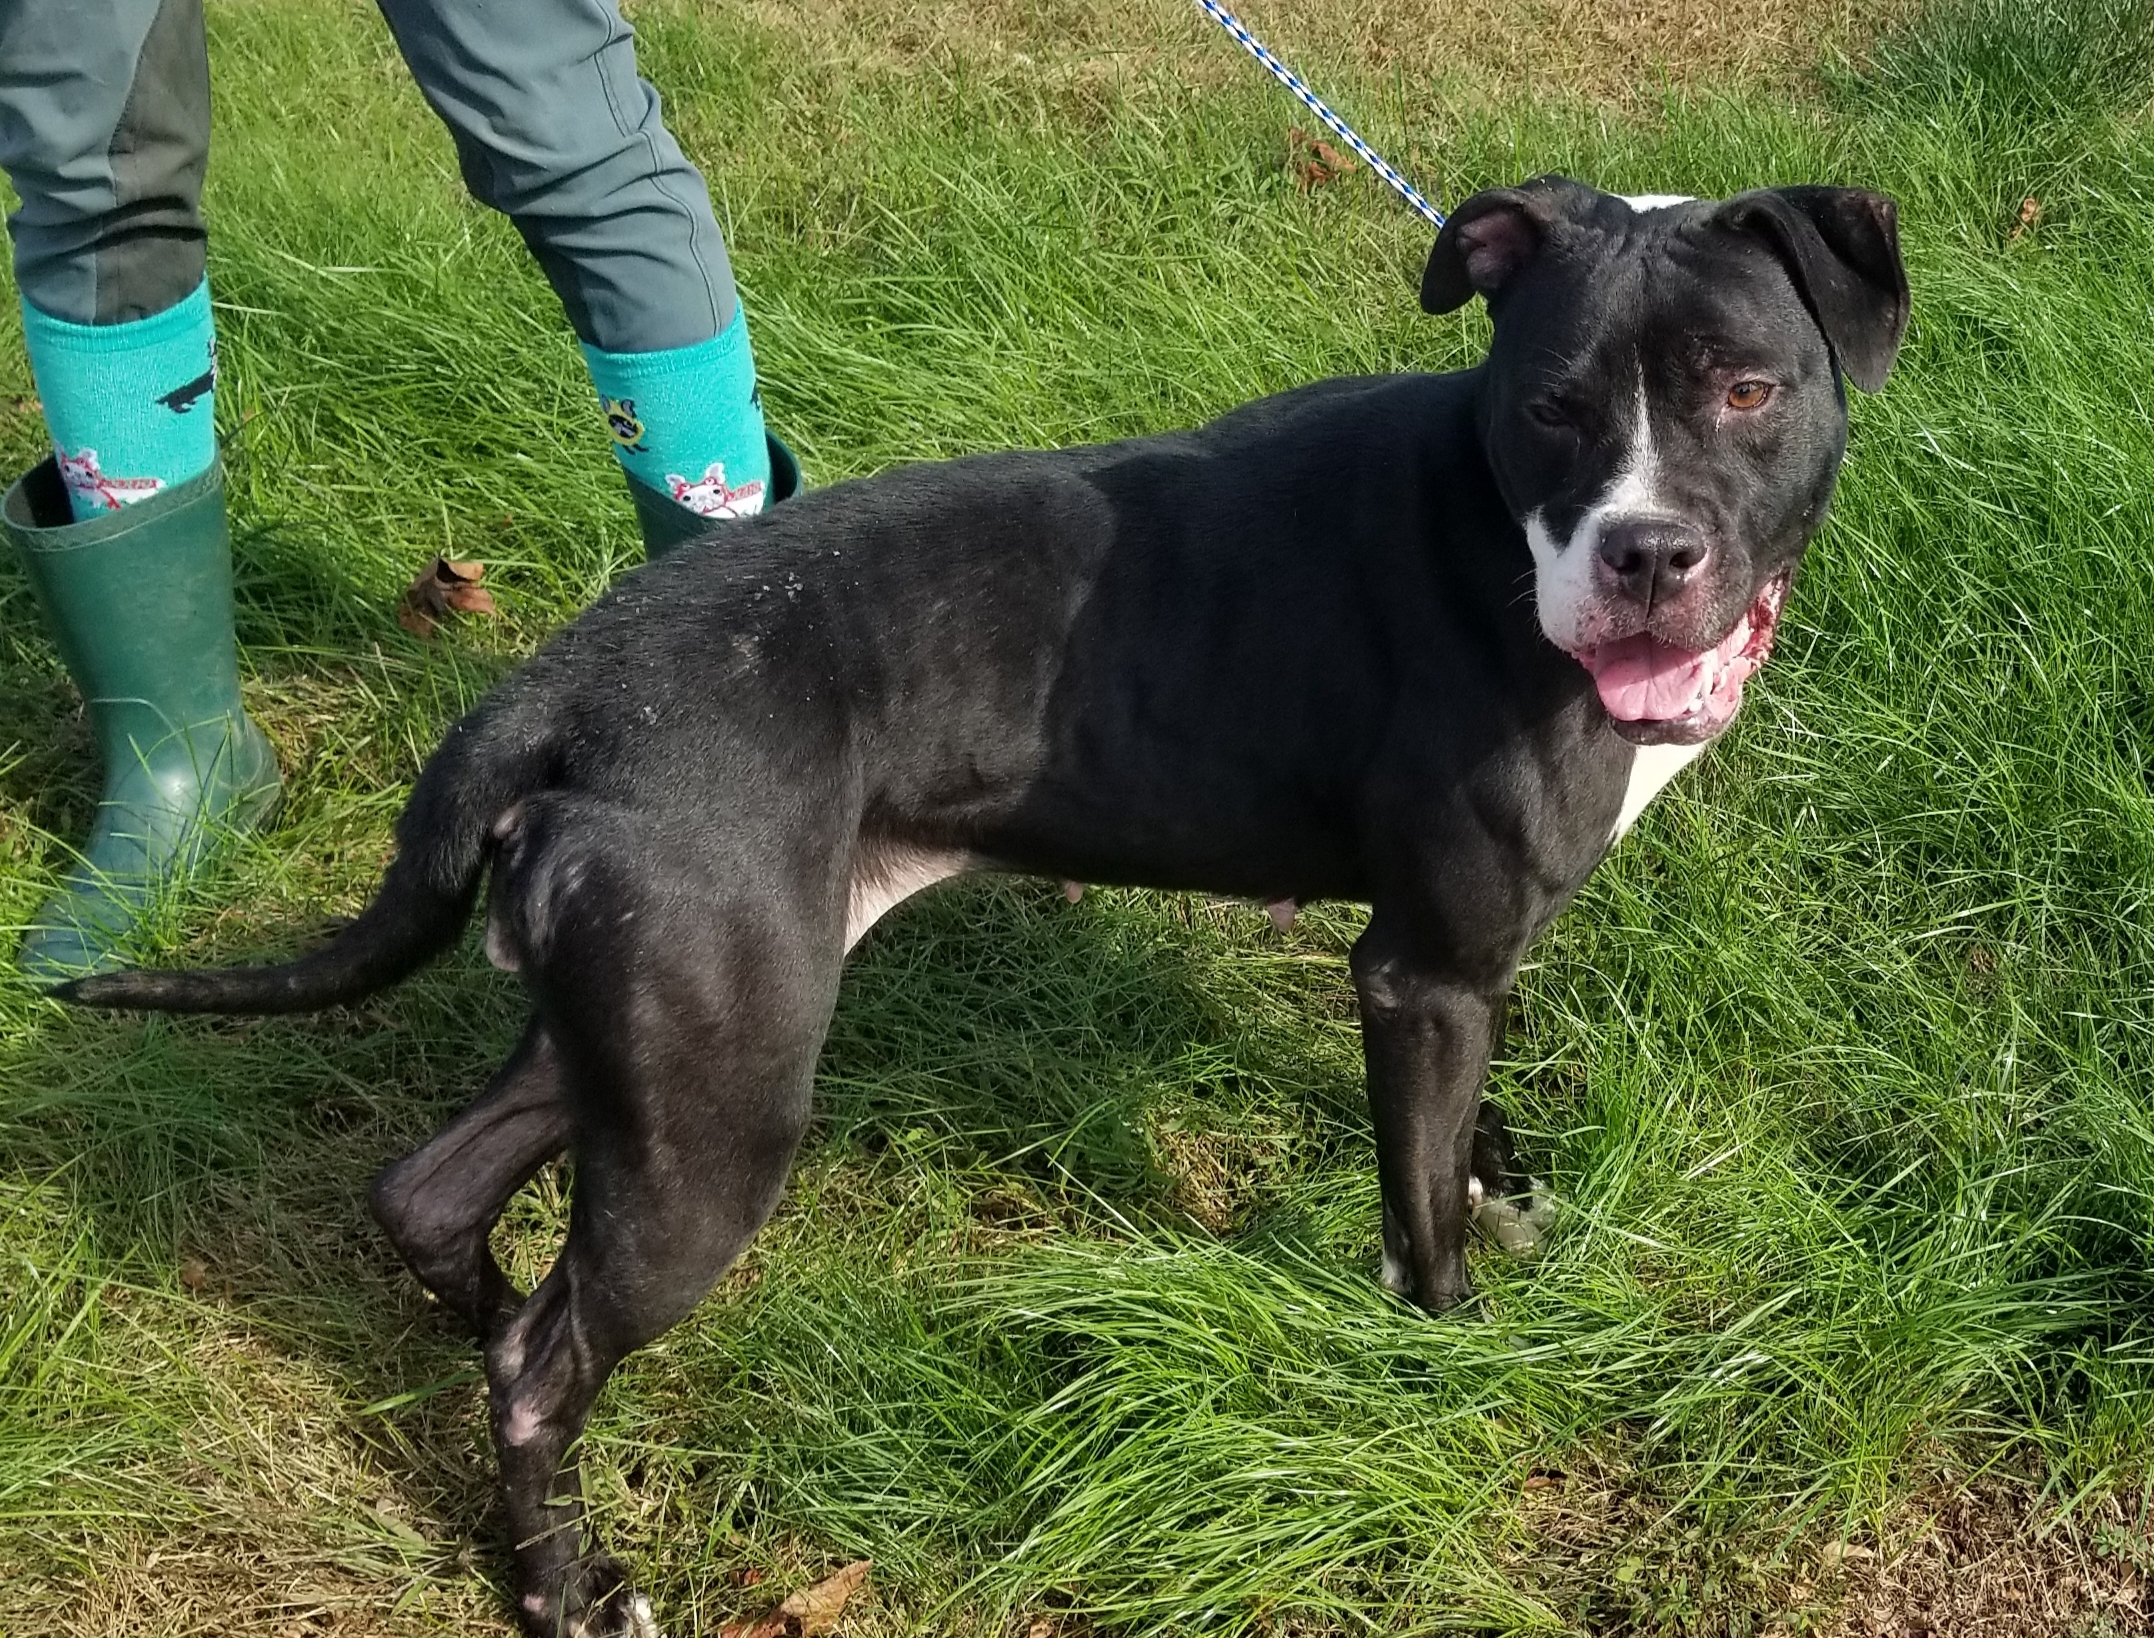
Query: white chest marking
{"type": "Point", "coordinates": [887, 877]}
{"type": "Point", "coordinates": [1643, 202]}
{"type": "Point", "coordinates": [1651, 767]}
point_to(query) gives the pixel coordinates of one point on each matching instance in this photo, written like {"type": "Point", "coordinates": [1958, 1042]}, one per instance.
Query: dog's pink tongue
{"type": "Point", "coordinates": [1643, 679]}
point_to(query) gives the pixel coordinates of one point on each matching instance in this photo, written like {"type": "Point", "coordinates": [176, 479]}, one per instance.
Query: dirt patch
{"type": "Point", "coordinates": [1606, 50]}
{"type": "Point", "coordinates": [1989, 1564]}
{"type": "Point", "coordinates": [1988, 1560]}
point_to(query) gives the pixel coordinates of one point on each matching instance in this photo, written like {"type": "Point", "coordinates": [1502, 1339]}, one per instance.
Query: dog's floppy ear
{"type": "Point", "coordinates": [1489, 238]}
{"type": "Point", "coordinates": [1842, 246]}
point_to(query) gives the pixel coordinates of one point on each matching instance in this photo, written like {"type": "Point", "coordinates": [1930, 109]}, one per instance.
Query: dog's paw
{"type": "Point", "coordinates": [1519, 1224]}
{"type": "Point", "coordinates": [629, 1616]}
{"type": "Point", "coordinates": [602, 1605]}
{"type": "Point", "coordinates": [1396, 1280]}
{"type": "Point", "coordinates": [642, 1623]}
{"type": "Point", "coordinates": [1448, 1294]}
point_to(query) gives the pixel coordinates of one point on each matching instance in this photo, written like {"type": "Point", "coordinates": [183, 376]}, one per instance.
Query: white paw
{"type": "Point", "coordinates": [1395, 1280]}
{"type": "Point", "coordinates": [1520, 1224]}
{"type": "Point", "coordinates": [641, 1622]}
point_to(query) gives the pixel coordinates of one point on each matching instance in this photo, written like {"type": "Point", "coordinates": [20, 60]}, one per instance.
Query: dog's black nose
{"type": "Point", "coordinates": [1653, 558]}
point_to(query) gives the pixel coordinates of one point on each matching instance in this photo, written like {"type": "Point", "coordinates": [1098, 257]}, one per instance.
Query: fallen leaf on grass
{"type": "Point", "coordinates": [1319, 164]}
{"type": "Point", "coordinates": [200, 1280]}
{"type": "Point", "coordinates": [1544, 1481]}
{"type": "Point", "coordinates": [1837, 1555]}
{"type": "Point", "coordinates": [442, 587]}
{"type": "Point", "coordinates": [809, 1612]}
{"type": "Point", "coordinates": [2030, 212]}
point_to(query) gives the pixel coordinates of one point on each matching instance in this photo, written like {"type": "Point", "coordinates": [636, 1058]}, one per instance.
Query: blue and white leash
{"type": "Point", "coordinates": [1315, 104]}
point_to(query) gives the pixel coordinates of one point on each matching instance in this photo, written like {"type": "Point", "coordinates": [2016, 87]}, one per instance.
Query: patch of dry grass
{"type": "Point", "coordinates": [1992, 1562]}
{"type": "Point", "coordinates": [1617, 51]}
{"type": "Point", "coordinates": [1987, 1558]}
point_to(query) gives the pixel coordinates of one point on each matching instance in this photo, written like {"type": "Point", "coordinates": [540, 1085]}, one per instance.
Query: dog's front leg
{"type": "Point", "coordinates": [1426, 1035]}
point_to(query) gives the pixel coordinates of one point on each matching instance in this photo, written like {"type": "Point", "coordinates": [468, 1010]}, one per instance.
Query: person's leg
{"type": "Point", "coordinates": [554, 128]}
{"type": "Point", "coordinates": [104, 130]}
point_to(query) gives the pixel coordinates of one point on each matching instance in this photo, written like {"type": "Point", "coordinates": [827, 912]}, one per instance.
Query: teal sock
{"type": "Point", "coordinates": [131, 407]}
{"type": "Point", "coordinates": [688, 421]}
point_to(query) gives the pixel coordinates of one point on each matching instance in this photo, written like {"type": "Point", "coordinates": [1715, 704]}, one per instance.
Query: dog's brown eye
{"type": "Point", "coordinates": [1548, 413]}
{"type": "Point", "coordinates": [1749, 395]}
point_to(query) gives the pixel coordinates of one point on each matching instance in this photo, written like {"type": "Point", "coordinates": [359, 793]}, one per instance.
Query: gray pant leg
{"type": "Point", "coordinates": [104, 130]}
{"type": "Point", "coordinates": [554, 128]}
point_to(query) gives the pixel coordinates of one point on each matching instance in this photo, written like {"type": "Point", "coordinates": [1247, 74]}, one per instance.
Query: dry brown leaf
{"type": "Point", "coordinates": [2030, 212]}
{"type": "Point", "coordinates": [442, 587]}
{"type": "Point", "coordinates": [809, 1612]}
{"type": "Point", "coordinates": [1328, 155]}
{"type": "Point", "coordinates": [1313, 161]}
{"type": "Point", "coordinates": [194, 1274]}
{"type": "Point", "coordinates": [1544, 1481]}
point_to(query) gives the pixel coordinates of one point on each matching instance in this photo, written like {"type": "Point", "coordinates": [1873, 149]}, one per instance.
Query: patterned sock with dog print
{"type": "Point", "coordinates": [132, 406]}
{"type": "Point", "coordinates": [688, 422]}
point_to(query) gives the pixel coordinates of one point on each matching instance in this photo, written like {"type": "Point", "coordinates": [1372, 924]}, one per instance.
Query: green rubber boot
{"type": "Point", "coordinates": [140, 603]}
{"type": "Point", "coordinates": [666, 523]}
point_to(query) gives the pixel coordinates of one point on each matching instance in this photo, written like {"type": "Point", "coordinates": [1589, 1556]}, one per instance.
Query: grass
{"type": "Point", "coordinates": [1840, 1064]}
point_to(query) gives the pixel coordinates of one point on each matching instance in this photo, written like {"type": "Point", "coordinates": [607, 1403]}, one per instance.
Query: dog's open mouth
{"type": "Point", "coordinates": [1658, 694]}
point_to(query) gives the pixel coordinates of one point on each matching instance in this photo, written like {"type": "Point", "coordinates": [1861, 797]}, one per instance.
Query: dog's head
{"type": "Point", "coordinates": [1663, 411]}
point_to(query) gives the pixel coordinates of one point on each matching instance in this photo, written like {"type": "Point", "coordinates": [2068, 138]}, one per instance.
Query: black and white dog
{"type": "Point", "coordinates": [1431, 642]}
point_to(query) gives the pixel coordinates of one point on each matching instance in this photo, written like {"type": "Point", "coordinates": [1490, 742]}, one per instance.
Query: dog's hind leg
{"type": "Point", "coordinates": [686, 1019]}
{"type": "Point", "coordinates": [669, 1189]}
{"type": "Point", "coordinates": [439, 1203]}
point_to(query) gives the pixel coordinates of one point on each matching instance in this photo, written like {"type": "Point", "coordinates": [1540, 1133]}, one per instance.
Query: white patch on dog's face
{"type": "Point", "coordinates": [1643, 202]}
{"type": "Point", "coordinates": [1651, 767]}
{"type": "Point", "coordinates": [1566, 572]}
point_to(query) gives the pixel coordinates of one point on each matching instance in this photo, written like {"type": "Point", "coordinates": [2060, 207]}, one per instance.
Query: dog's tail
{"type": "Point", "coordinates": [444, 838]}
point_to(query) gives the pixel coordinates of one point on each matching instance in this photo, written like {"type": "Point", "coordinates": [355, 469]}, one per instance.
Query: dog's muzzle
{"type": "Point", "coordinates": [1656, 693]}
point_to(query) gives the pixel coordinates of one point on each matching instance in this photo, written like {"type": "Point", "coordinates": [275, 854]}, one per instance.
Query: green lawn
{"type": "Point", "coordinates": [1070, 1320]}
